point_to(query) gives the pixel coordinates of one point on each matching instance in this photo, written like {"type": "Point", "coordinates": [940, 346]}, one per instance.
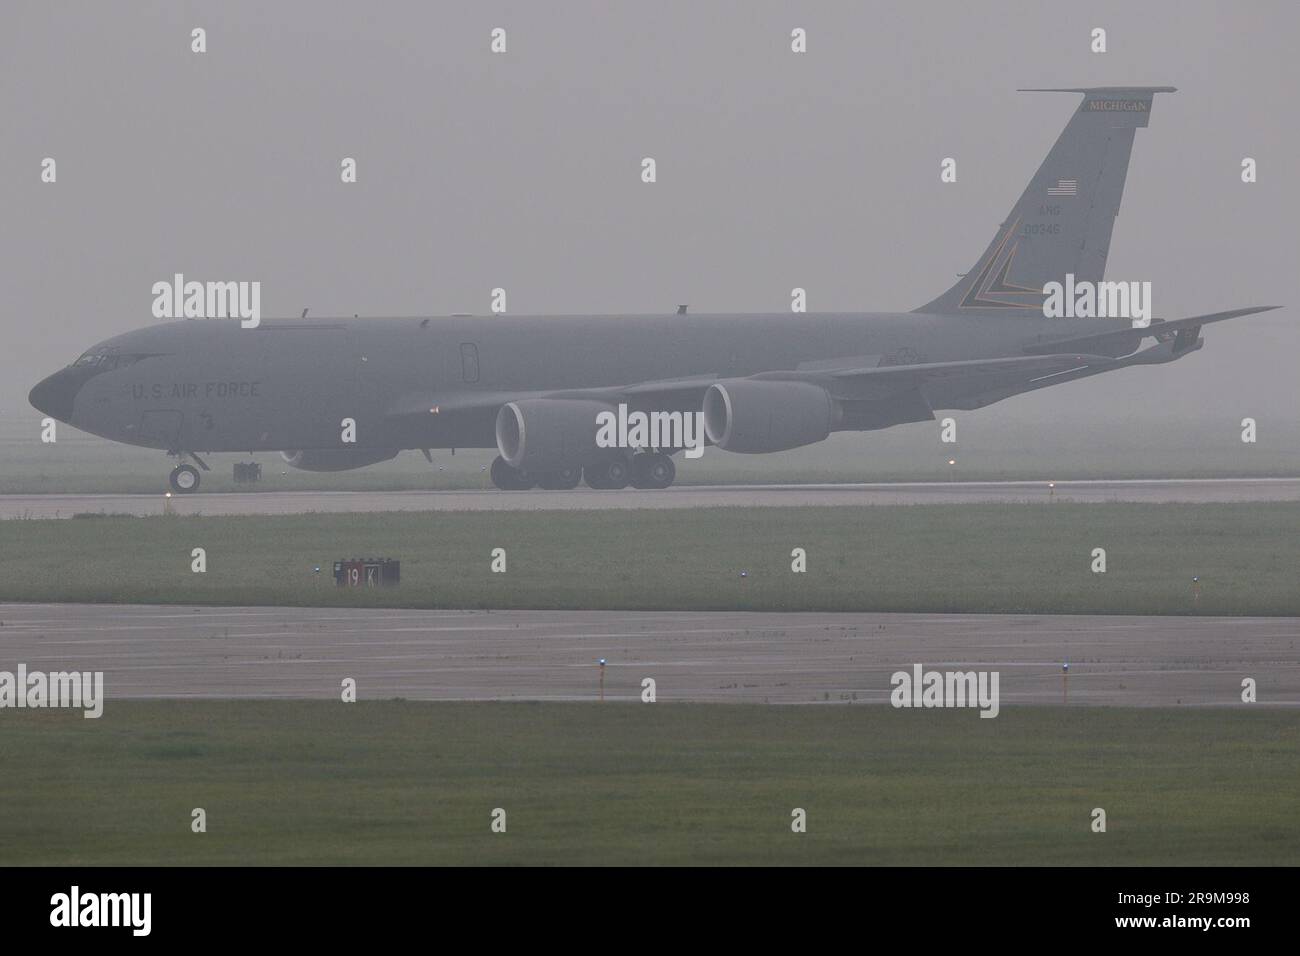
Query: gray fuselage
{"type": "Point", "coordinates": [211, 385]}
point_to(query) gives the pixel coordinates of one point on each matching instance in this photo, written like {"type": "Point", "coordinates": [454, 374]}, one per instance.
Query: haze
{"type": "Point", "coordinates": [775, 170]}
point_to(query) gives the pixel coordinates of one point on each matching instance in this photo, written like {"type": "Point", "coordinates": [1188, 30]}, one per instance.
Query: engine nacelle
{"type": "Point", "coordinates": [756, 416]}
{"type": "Point", "coordinates": [336, 459]}
{"type": "Point", "coordinates": [540, 434]}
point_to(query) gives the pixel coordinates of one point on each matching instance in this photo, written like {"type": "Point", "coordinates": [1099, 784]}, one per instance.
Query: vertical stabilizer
{"type": "Point", "coordinates": [1063, 220]}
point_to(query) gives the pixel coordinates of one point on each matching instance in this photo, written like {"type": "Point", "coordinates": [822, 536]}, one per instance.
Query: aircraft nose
{"type": "Point", "coordinates": [55, 395]}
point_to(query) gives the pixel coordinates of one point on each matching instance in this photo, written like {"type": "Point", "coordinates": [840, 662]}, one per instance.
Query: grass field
{"type": "Point", "coordinates": [988, 558]}
{"type": "Point", "coordinates": [416, 783]}
{"type": "Point", "coordinates": [989, 448]}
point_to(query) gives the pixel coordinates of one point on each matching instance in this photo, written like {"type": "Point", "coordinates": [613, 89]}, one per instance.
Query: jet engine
{"type": "Point", "coordinates": [754, 416]}
{"type": "Point", "coordinates": [542, 434]}
{"type": "Point", "coordinates": [336, 459]}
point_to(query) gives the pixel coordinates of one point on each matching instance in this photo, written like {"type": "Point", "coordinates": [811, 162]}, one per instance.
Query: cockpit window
{"type": "Point", "coordinates": [106, 359]}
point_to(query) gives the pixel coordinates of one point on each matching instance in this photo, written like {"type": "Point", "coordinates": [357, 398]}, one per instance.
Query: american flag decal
{"type": "Point", "coordinates": [1064, 187]}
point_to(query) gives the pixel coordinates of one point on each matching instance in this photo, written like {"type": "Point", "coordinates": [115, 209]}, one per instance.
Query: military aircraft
{"type": "Point", "coordinates": [334, 394]}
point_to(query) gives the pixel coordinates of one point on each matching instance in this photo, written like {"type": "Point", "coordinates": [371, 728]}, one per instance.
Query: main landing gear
{"type": "Point", "coordinates": [645, 470]}
{"type": "Point", "coordinates": [652, 470]}
{"type": "Point", "coordinates": [184, 478]}
{"type": "Point", "coordinates": [508, 478]}
{"type": "Point", "coordinates": [608, 472]}
{"type": "Point", "coordinates": [561, 480]}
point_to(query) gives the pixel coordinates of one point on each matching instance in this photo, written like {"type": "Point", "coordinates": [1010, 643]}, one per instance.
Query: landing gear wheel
{"type": "Point", "coordinates": [561, 480]}
{"type": "Point", "coordinates": [608, 474]}
{"type": "Point", "coordinates": [508, 478]}
{"type": "Point", "coordinates": [653, 470]}
{"type": "Point", "coordinates": [184, 479]}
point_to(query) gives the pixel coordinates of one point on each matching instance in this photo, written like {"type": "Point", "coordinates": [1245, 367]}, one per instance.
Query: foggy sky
{"type": "Point", "coordinates": [523, 170]}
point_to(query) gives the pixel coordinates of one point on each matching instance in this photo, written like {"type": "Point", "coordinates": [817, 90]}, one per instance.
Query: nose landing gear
{"type": "Point", "coordinates": [184, 478]}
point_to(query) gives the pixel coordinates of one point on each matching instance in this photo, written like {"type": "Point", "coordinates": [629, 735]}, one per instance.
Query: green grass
{"type": "Point", "coordinates": [415, 783]}
{"type": "Point", "coordinates": [932, 558]}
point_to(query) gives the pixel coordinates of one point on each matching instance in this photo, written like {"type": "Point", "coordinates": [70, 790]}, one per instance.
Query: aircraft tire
{"type": "Point", "coordinates": [184, 479]}
{"type": "Point", "coordinates": [508, 478]}
{"type": "Point", "coordinates": [609, 473]}
{"type": "Point", "coordinates": [562, 480]}
{"type": "Point", "coordinates": [653, 470]}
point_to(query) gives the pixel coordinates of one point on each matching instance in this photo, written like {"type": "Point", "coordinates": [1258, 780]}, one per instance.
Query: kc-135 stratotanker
{"type": "Point", "coordinates": [534, 387]}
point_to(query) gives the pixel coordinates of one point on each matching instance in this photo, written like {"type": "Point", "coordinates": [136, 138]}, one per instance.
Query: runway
{"type": "Point", "coordinates": [801, 658]}
{"type": "Point", "coordinates": [685, 496]}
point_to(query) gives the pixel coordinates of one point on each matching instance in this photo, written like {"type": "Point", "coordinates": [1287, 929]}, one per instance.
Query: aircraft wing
{"type": "Point", "coordinates": [1123, 341]}
{"type": "Point", "coordinates": [938, 385]}
{"type": "Point", "coordinates": [684, 393]}
{"type": "Point", "coordinates": [949, 378]}
{"type": "Point", "coordinates": [964, 384]}
{"type": "Point", "coordinates": [451, 403]}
